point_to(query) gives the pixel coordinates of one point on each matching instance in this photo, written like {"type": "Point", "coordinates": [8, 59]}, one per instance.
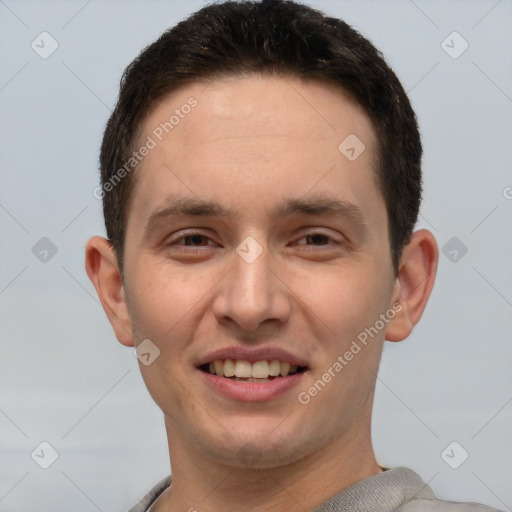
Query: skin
{"type": "Point", "coordinates": [250, 143]}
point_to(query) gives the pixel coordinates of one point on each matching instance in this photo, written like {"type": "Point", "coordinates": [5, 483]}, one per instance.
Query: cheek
{"type": "Point", "coordinates": [162, 299]}
{"type": "Point", "coordinates": [344, 299]}
{"type": "Point", "coordinates": [162, 305]}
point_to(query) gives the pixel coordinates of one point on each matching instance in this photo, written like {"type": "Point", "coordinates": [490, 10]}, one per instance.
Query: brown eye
{"type": "Point", "coordinates": [189, 242]}
{"type": "Point", "coordinates": [317, 239]}
{"type": "Point", "coordinates": [195, 240]}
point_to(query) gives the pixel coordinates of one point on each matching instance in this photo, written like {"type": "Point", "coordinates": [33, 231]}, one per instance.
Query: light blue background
{"type": "Point", "coordinates": [63, 376]}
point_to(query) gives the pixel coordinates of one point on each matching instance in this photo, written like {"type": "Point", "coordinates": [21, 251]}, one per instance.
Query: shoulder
{"type": "Point", "coordinates": [414, 495]}
{"type": "Point", "coordinates": [435, 505]}
{"type": "Point", "coordinates": [152, 496]}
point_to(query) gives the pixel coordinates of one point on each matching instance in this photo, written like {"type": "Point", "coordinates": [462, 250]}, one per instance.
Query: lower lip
{"type": "Point", "coordinates": [252, 391]}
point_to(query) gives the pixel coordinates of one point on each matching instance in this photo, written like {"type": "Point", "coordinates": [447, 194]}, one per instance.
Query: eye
{"type": "Point", "coordinates": [194, 240]}
{"type": "Point", "coordinates": [188, 241]}
{"type": "Point", "coordinates": [318, 239]}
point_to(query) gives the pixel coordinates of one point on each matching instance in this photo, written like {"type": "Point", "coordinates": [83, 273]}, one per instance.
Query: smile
{"type": "Point", "coordinates": [258, 371]}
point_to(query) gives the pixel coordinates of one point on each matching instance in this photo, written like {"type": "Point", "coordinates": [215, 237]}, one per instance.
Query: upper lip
{"type": "Point", "coordinates": [252, 355]}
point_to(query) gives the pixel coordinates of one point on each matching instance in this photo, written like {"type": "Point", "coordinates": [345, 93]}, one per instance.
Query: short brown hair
{"type": "Point", "coordinates": [270, 37]}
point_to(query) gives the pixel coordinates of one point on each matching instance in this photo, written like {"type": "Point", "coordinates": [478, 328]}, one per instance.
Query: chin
{"type": "Point", "coordinates": [256, 449]}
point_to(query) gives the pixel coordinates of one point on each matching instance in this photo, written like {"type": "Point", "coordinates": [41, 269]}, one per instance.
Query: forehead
{"type": "Point", "coordinates": [258, 105]}
{"type": "Point", "coordinates": [248, 141]}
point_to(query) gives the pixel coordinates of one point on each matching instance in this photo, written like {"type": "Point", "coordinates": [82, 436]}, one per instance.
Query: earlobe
{"type": "Point", "coordinates": [103, 271]}
{"type": "Point", "coordinates": [416, 276]}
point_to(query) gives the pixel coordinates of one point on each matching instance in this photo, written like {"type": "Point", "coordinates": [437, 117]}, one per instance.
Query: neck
{"type": "Point", "coordinates": [204, 484]}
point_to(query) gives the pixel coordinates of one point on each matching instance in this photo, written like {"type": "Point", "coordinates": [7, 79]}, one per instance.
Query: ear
{"type": "Point", "coordinates": [414, 283]}
{"type": "Point", "coordinates": [102, 269]}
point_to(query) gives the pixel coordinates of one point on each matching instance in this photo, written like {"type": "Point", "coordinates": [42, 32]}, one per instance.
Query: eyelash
{"type": "Point", "coordinates": [195, 249]}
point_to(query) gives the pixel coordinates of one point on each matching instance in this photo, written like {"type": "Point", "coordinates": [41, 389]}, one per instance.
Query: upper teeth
{"type": "Point", "coordinates": [246, 369]}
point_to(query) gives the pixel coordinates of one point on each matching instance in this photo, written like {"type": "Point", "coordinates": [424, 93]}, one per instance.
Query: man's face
{"type": "Point", "coordinates": [308, 280]}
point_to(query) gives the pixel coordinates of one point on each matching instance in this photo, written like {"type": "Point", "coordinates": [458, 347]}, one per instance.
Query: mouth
{"type": "Point", "coordinates": [240, 370]}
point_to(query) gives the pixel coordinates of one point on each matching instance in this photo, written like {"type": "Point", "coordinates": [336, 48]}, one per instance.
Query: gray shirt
{"type": "Point", "coordinates": [394, 490]}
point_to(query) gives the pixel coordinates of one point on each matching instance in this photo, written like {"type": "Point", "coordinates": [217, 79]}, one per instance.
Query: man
{"type": "Point", "coordinates": [261, 181]}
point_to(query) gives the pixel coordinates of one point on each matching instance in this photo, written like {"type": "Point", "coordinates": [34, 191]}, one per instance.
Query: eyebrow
{"type": "Point", "coordinates": [314, 205]}
{"type": "Point", "coordinates": [322, 205]}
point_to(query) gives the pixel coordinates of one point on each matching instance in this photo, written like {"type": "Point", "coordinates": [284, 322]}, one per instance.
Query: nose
{"type": "Point", "coordinates": [252, 294]}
